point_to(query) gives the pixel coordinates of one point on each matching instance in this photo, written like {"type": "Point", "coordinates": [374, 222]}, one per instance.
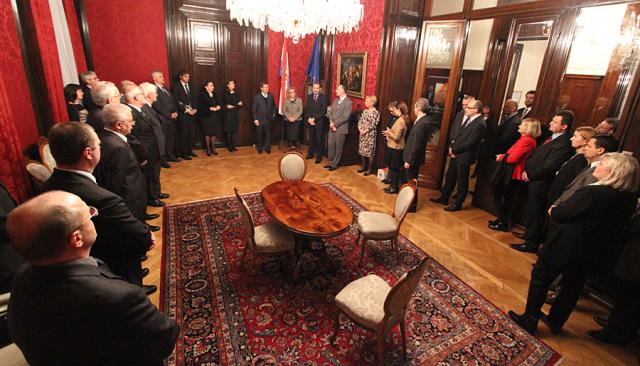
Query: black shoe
{"type": "Point", "coordinates": [318, 161]}
{"type": "Point", "coordinates": [554, 328]}
{"type": "Point", "coordinates": [186, 157]}
{"type": "Point", "coordinates": [309, 157]}
{"type": "Point", "coordinates": [259, 151]}
{"type": "Point", "coordinates": [551, 297]}
{"type": "Point", "coordinates": [156, 203]}
{"type": "Point", "coordinates": [453, 208]}
{"type": "Point", "coordinates": [145, 272]}
{"type": "Point", "coordinates": [439, 200]}
{"type": "Point", "coordinates": [234, 149]}
{"type": "Point", "coordinates": [268, 151]}
{"type": "Point", "coordinates": [526, 248]}
{"type": "Point", "coordinates": [230, 149]}
{"type": "Point", "coordinates": [493, 222]}
{"type": "Point", "coordinates": [518, 235]}
{"type": "Point", "coordinates": [391, 190]}
{"type": "Point", "coordinates": [151, 216]}
{"type": "Point", "coordinates": [527, 322]}
{"type": "Point", "coordinates": [143, 258]}
{"type": "Point", "coordinates": [193, 154]}
{"type": "Point", "coordinates": [174, 160]}
{"type": "Point", "coordinates": [499, 226]}
{"type": "Point", "coordinates": [163, 195]}
{"type": "Point", "coordinates": [208, 153]}
{"type": "Point", "coordinates": [605, 337]}
{"type": "Point", "coordinates": [154, 227]}
{"type": "Point", "coordinates": [367, 173]}
{"type": "Point", "coordinates": [601, 320]}
{"type": "Point", "coordinates": [327, 166]}
{"type": "Point", "coordinates": [165, 165]}
{"type": "Point", "coordinates": [332, 168]}
{"type": "Point", "coordinates": [386, 181]}
{"type": "Point", "coordinates": [361, 170]}
{"type": "Point", "coordinates": [149, 289]}
{"type": "Point", "coordinates": [214, 152]}
{"type": "Point", "coordinates": [413, 209]}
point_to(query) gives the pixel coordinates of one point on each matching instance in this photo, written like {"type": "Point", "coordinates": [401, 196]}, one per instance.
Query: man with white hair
{"type": "Point", "coordinates": [102, 93]}
{"type": "Point", "coordinates": [89, 80]}
{"type": "Point", "coordinates": [119, 170]}
{"type": "Point", "coordinates": [150, 92]}
{"type": "Point", "coordinates": [68, 308]}
{"type": "Point", "coordinates": [165, 107]}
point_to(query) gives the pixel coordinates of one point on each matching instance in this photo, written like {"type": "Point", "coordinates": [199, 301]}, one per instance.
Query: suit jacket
{"type": "Point", "coordinates": [507, 133]}
{"type": "Point", "coordinates": [156, 125]}
{"type": "Point", "coordinates": [628, 263]}
{"type": "Point", "coordinates": [417, 139]}
{"type": "Point", "coordinates": [182, 99]}
{"type": "Point", "coordinates": [120, 173]}
{"type": "Point", "coordinates": [79, 313]}
{"type": "Point", "coordinates": [10, 260]}
{"type": "Point", "coordinates": [143, 130]}
{"type": "Point", "coordinates": [545, 161]}
{"type": "Point", "coordinates": [567, 172]}
{"type": "Point", "coordinates": [94, 119]}
{"type": "Point", "coordinates": [528, 115]}
{"type": "Point", "coordinates": [466, 141]}
{"type": "Point", "coordinates": [585, 229]}
{"type": "Point", "coordinates": [316, 109]}
{"type": "Point", "coordinates": [122, 238]}
{"type": "Point", "coordinates": [264, 110]}
{"type": "Point", "coordinates": [585, 177]}
{"type": "Point", "coordinates": [339, 115]}
{"type": "Point", "coordinates": [87, 100]}
{"type": "Point", "coordinates": [518, 155]}
{"type": "Point", "coordinates": [164, 105]}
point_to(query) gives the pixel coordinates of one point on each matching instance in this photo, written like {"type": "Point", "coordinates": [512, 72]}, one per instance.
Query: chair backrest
{"type": "Point", "coordinates": [245, 216]}
{"type": "Point", "coordinates": [38, 171]}
{"type": "Point", "coordinates": [403, 201]}
{"type": "Point", "coordinates": [292, 166]}
{"type": "Point", "coordinates": [400, 294]}
{"type": "Point", "coordinates": [45, 154]}
{"type": "Point", "coordinates": [12, 356]}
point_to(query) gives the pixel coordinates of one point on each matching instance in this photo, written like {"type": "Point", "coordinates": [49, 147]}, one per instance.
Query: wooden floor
{"type": "Point", "coordinates": [460, 241]}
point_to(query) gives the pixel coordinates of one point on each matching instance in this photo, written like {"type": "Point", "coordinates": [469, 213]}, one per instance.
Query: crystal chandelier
{"type": "Point", "coordinates": [298, 18]}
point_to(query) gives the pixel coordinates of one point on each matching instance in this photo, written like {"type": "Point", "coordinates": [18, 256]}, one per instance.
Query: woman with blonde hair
{"type": "Point", "coordinates": [508, 175]}
{"type": "Point", "coordinates": [367, 125]}
{"type": "Point", "coordinates": [589, 231]}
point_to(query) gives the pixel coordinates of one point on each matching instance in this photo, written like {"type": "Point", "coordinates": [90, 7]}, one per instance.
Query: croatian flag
{"type": "Point", "coordinates": [284, 77]}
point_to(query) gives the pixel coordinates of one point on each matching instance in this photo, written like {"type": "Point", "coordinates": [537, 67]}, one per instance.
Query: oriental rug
{"type": "Point", "coordinates": [259, 317]}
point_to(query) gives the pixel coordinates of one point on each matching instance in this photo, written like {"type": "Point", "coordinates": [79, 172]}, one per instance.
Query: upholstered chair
{"type": "Point", "coordinates": [269, 238]}
{"type": "Point", "coordinates": [292, 166]}
{"type": "Point", "coordinates": [382, 226]}
{"type": "Point", "coordinates": [38, 173]}
{"type": "Point", "coordinates": [45, 154]}
{"type": "Point", "coordinates": [371, 303]}
{"type": "Point", "coordinates": [12, 356]}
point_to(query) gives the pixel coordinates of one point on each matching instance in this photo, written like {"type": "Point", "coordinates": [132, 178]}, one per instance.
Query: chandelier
{"type": "Point", "coordinates": [298, 18]}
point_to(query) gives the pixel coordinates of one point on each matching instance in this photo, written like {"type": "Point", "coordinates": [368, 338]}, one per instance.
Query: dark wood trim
{"type": "Point", "coordinates": [329, 79]}
{"type": "Point", "coordinates": [83, 24]}
{"type": "Point", "coordinates": [32, 58]}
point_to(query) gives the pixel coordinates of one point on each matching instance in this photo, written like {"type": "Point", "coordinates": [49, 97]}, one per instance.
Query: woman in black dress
{"type": "Point", "coordinates": [208, 113]}
{"type": "Point", "coordinates": [73, 95]}
{"type": "Point", "coordinates": [231, 101]}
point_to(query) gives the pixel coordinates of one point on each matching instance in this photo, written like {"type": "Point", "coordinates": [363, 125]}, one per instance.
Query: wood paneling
{"type": "Point", "coordinates": [471, 80]}
{"type": "Point", "coordinates": [202, 39]}
{"type": "Point", "coordinates": [581, 91]}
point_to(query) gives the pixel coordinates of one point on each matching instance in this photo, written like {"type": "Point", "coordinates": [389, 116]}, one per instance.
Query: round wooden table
{"type": "Point", "coordinates": [310, 211]}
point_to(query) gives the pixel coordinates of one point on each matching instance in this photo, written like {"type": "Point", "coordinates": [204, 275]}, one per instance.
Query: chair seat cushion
{"type": "Point", "coordinates": [363, 300]}
{"type": "Point", "coordinates": [377, 225]}
{"type": "Point", "coordinates": [272, 238]}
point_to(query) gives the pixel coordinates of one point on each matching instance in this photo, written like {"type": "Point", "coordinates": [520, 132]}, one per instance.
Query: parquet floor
{"type": "Point", "coordinates": [460, 241]}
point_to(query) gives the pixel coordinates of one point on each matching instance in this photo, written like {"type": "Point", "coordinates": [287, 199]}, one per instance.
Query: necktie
{"type": "Point", "coordinates": [548, 140]}
{"type": "Point", "coordinates": [466, 122]}
{"type": "Point", "coordinates": [315, 97]}
{"type": "Point", "coordinates": [186, 88]}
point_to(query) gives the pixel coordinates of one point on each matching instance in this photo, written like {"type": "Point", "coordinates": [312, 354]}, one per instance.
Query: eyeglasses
{"type": "Point", "coordinates": [93, 212]}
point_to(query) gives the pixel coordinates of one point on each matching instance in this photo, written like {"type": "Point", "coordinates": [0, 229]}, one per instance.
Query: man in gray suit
{"type": "Point", "coordinates": [338, 126]}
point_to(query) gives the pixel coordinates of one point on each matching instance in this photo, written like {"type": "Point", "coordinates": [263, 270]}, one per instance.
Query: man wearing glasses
{"type": "Point", "coordinates": [67, 308]}
{"type": "Point", "coordinates": [463, 150]}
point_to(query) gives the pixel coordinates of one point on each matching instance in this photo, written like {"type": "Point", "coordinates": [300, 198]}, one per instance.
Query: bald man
{"type": "Point", "coordinates": [68, 308]}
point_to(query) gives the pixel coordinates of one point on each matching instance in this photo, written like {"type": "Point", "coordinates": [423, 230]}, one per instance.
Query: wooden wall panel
{"type": "Point", "coordinates": [581, 91]}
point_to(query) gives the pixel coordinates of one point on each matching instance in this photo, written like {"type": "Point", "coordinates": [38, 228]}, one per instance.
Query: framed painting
{"type": "Point", "coordinates": [352, 72]}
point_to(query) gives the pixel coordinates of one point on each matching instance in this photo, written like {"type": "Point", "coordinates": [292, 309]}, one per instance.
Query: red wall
{"type": "Point", "coordinates": [15, 79]}
{"type": "Point", "coordinates": [366, 39]}
{"type": "Point", "coordinates": [127, 39]}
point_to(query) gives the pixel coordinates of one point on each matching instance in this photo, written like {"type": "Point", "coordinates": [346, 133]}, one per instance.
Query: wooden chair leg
{"type": "Point", "coordinates": [404, 339]}
{"type": "Point", "coordinates": [362, 246]}
{"type": "Point", "coordinates": [397, 249]}
{"type": "Point", "coordinates": [380, 338]}
{"type": "Point", "coordinates": [336, 328]}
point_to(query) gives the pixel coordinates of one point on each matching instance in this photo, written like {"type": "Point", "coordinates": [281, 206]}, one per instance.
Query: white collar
{"type": "Point", "coordinates": [595, 163]}
{"type": "Point", "coordinates": [134, 107]}
{"type": "Point", "coordinates": [342, 98]}
{"type": "Point", "coordinates": [123, 137]}
{"type": "Point", "coordinates": [264, 95]}
{"type": "Point", "coordinates": [81, 172]}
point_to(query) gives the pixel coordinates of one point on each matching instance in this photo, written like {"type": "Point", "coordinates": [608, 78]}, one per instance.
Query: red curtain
{"type": "Point", "coordinates": [74, 32]}
{"type": "Point", "coordinates": [50, 62]}
{"type": "Point", "coordinates": [12, 172]}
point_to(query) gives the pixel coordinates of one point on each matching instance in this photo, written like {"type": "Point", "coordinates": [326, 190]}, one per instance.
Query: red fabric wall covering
{"type": "Point", "coordinates": [13, 73]}
{"type": "Point", "coordinates": [128, 39]}
{"type": "Point", "coordinates": [50, 60]}
{"type": "Point", "coordinates": [74, 33]}
{"type": "Point", "coordinates": [366, 39]}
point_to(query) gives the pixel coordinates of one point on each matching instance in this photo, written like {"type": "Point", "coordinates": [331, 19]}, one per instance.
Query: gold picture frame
{"type": "Point", "coordinates": [352, 72]}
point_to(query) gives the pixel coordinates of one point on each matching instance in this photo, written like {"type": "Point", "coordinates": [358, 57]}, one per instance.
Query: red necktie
{"type": "Point", "coordinates": [315, 97]}
{"type": "Point", "coordinates": [548, 140]}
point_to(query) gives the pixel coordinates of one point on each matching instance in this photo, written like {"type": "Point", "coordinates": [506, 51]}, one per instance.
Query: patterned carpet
{"type": "Point", "coordinates": [258, 317]}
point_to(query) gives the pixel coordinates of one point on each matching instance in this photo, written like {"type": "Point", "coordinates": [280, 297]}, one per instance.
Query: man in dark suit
{"type": "Point", "coordinates": [186, 102]}
{"type": "Point", "coordinates": [416, 145]}
{"type": "Point", "coordinates": [507, 132]}
{"type": "Point", "coordinates": [339, 114]}
{"type": "Point", "coordinates": [165, 107]}
{"type": "Point", "coordinates": [315, 110]}
{"type": "Point", "coordinates": [540, 170]}
{"type": "Point", "coordinates": [457, 120]}
{"type": "Point", "coordinates": [10, 261]}
{"type": "Point", "coordinates": [143, 130]}
{"type": "Point", "coordinates": [263, 108]}
{"type": "Point", "coordinates": [89, 80]}
{"type": "Point", "coordinates": [103, 93]}
{"type": "Point", "coordinates": [463, 151]}
{"type": "Point", "coordinates": [122, 237]}
{"type": "Point", "coordinates": [119, 171]}
{"type": "Point", "coordinates": [67, 308]}
{"type": "Point", "coordinates": [527, 111]}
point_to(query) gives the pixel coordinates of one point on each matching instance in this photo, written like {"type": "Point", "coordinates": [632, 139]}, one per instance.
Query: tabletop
{"type": "Point", "coordinates": [307, 208]}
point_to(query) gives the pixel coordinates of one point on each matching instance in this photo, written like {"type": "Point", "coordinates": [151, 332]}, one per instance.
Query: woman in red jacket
{"type": "Point", "coordinates": [509, 174]}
